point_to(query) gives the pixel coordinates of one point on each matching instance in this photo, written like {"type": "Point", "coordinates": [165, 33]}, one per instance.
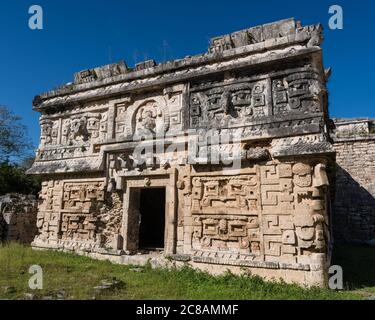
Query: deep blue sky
{"type": "Point", "coordinates": [83, 34]}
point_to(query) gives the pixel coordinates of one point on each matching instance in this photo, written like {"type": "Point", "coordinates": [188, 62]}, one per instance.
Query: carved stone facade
{"type": "Point", "coordinates": [235, 140]}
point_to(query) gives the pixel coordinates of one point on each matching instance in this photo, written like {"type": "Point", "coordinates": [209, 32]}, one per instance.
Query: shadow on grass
{"type": "Point", "coordinates": [358, 263]}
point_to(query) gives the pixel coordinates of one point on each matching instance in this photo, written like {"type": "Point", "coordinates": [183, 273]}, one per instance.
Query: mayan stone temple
{"type": "Point", "coordinates": [221, 160]}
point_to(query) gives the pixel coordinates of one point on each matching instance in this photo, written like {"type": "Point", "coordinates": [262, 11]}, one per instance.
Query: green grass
{"type": "Point", "coordinates": [78, 276]}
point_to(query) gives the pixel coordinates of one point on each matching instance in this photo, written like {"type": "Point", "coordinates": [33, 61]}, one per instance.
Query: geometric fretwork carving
{"type": "Point", "coordinates": [274, 213]}
{"type": "Point", "coordinates": [277, 192]}
{"type": "Point", "coordinates": [81, 196]}
{"type": "Point", "coordinates": [272, 245]}
{"type": "Point", "coordinates": [78, 227]}
{"type": "Point", "coordinates": [237, 195]}
{"type": "Point", "coordinates": [296, 93]}
{"type": "Point", "coordinates": [231, 234]}
{"type": "Point", "coordinates": [228, 105]}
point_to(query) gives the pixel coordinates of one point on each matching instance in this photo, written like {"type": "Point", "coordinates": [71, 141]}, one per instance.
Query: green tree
{"type": "Point", "coordinates": [13, 136]}
{"type": "Point", "coordinates": [14, 156]}
{"type": "Point", "coordinates": [13, 179]}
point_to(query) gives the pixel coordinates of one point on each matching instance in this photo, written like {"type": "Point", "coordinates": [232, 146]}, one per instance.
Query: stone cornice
{"type": "Point", "coordinates": [293, 45]}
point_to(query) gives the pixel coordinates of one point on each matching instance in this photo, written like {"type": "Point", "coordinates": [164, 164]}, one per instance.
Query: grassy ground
{"type": "Point", "coordinates": [69, 276]}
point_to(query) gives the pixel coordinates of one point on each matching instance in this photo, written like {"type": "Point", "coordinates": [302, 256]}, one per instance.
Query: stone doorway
{"type": "Point", "coordinates": [161, 188]}
{"type": "Point", "coordinates": [152, 219]}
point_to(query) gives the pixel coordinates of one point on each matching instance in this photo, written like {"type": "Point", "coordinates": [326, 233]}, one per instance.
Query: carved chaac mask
{"type": "Point", "coordinates": [78, 128]}
{"type": "Point", "coordinates": [302, 175]}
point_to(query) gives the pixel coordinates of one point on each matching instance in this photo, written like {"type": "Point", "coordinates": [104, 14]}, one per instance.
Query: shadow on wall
{"type": "Point", "coordinates": [358, 265]}
{"type": "Point", "coordinates": [353, 210]}
{"type": "Point", "coordinates": [2, 228]}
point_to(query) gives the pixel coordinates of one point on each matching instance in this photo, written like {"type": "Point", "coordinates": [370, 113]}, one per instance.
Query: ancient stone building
{"type": "Point", "coordinates": [18, 218]}
{"type": "Point", "coordinates": [354, 204]}
{"type": "Point", "coordinates": [220, 160]}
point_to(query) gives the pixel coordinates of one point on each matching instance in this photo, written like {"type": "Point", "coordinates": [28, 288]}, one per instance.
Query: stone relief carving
{"type": "Point", "coordinates": [298, 92]}
{"type": "Point", "coordinates": [49, 132]}
{"type": "Point", "coordinates": [67, 210]}
{"type": "Point", "coordinates": [78, 130]}
{"type": "Point", "coordinates": [48, 211]}
{"type": "Point", "coordinates": [271, 214]}
{"type": "Point", "coordinates": [147, 119]}
{"type": "Point", "coordinates": [239, 234]}
{"type": "Point", "coordinates": [122, 125]}
{"type": "Point", "coordinates": [77, 227]}
{"type": "Point", "coordinates": [74, 130]}
{"type": "Point", "coordinates": [80, 196]}
{"type": "Point", "coordinates": [310, 218]}
{"type": "Point", "coordinates": [225, 195]}
{"type": "Point", "coordinates": [278, 213]}
{"type": "Point", "coordinates": [149, 116]}
{"type": "Point", "coordinates": [225, 211]}
{"type": "Point", "coordinates": [228, 105]}
{"type": "Point", "coordinates": [72, 137]}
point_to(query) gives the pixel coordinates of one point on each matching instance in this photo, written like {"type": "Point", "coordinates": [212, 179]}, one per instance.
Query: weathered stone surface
{"type": "Point", "coordinates": [109, 285]}
{"type": "Point", "coordinates": [18, 218]}
{"type": "Point", "coordinates": [237, 138]}
{"type": "Point", "coordinates": [354, 205]}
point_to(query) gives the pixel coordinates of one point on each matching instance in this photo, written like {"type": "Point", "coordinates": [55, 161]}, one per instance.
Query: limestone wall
{"type": "Point", "coordinates": [272, 216]}
{"type": "Point", "coordinates": [354, 206]}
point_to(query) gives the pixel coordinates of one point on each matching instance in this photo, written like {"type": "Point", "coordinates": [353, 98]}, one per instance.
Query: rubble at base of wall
{"type": "Point", "coordinates": [18, 217]}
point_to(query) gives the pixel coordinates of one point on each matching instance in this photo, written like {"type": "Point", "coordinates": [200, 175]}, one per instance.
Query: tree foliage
{"type": "Point", "coordinates": [14, 142]}
{"type": "Point", "coordinates": [13, 179]}
{"type": "Point", "coordinates": [14, 159]}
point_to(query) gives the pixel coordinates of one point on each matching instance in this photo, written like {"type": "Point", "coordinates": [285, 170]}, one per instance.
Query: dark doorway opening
{"type": "Point", "coordinates": [152, 217]}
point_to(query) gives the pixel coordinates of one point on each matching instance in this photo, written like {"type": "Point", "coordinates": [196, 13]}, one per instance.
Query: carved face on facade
{"type": "Point", "coordinates": [231, 105]}
{"type": "Point", "coordinates": [147, 118]}
{"type": "Point", "coordinates": [226, 102]}
{"type": "Point", "coordinates": [46, 132]}
{"type": "Point", "coordinates": [309, 219]}
{"type": "Point", "coordinates": [302, 175]}
{"type": "Point", "coordinates": [49, 132]}
{"type": "Point", "coordinates": [66, 128]}
{"type": "Point", "coordinates": [310, 230]}
{"type": "Point", "coordinates": [46, 129]}
{"type": "Point", "coordinates": [78, 128]}
{"type": "Point", "coordinates": [297, 91]}
{"type": "Point", "coordinates": [93, 123]}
